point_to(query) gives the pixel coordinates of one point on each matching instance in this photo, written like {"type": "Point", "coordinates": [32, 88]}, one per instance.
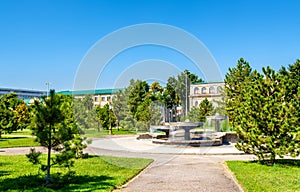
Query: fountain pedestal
{"type": "Point", "coordinates": [186, 126]}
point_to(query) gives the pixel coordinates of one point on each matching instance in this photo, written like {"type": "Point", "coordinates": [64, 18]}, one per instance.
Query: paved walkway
{"type": "Point", "coordinates": [130, 144]}
{"type": "Point", "coordinates": [174, 168]}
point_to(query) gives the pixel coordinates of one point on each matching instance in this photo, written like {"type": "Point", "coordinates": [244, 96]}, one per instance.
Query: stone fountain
{"type": "Point", "coordinates": [179, 133]}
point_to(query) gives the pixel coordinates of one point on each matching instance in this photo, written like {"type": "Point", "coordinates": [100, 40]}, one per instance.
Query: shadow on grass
{"type": "Point", "coordinates": [4, 173]}
{"type": "Point", "coordinates": [285, 162]}
{"type": "Point", "coordinates": [58, 183]}
{"type": "Point", "coordinates": [11, 138]}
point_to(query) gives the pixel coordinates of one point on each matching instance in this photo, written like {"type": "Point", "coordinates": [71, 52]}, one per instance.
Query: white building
{"type": "Point", "coordinates": [200, 91]}
{"type": "Point", "coordinates": [23, 93]}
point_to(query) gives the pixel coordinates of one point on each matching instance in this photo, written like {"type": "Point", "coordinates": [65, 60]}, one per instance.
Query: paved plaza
{"type": "Point", "coordinates": [175, 168]}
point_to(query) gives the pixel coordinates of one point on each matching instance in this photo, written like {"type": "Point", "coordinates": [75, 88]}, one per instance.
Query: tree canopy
{"type": "Point", "coordinates": [264, 110]}
{"type": "Point", "coordinates": [55, 128]}
{"type": "Point", "coordinates": [235, 81]}
{"type": "Point", "coordinates": [198, 114]}
{"type": "Point", "coordinates": [14, 113]}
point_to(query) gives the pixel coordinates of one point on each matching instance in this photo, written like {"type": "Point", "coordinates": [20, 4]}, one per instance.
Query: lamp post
{"type": "Point", "coordinates": [48, 86]}
{"type": "Point", "coordinates": [109, 116]}
{"type": "Point", "coordinates": [186, 94]}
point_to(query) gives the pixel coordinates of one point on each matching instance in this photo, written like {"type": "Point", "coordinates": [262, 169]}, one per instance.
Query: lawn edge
{"type": "Point", "coordinates": [232, 176]}
{"type": "Point", "coordinates": [125, 185]}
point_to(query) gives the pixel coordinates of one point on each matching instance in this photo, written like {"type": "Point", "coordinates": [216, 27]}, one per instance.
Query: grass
{"type": "Point", "coordinates": [92, 174]}
{"type": "Point", "coordinates": [93, 133]}
{"type": "Point", "coordinates": [10, 141]}
{"type": "Point", "coordinates": [23, 138]}
{"type": "Point", "coordinates": [255, 176]}
{"type": "Point", "coordinates": [24, 132]}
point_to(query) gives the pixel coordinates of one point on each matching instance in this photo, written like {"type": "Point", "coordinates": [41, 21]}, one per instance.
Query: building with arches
{"type": "Point", "coordinates": [210, 90]}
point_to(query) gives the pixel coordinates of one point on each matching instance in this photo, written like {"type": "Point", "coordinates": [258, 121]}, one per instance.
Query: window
{"type": "Point", "coordinates": [196, 104]}
{"type": "Point", "coordinates": [102, 98]}
{"type": "Point", "coordinates": [108, 98]}
{"type": "Point", "coordinates": [196, 90]}
{"type": "Point", "coordinates": [96, 99]}
{"type": "Point", "coordinates": [219, 89]}
{"type": "Point", "coordinates": [211, 90]}
{"type": "Point", "coordinates": [203, 90]}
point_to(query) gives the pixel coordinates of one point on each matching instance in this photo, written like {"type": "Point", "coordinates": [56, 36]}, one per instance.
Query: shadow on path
{"type": "Point", "coordinates": [71, 183]}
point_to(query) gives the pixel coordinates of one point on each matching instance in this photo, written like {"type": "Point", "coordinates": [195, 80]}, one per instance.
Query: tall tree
{"type": "Point", "coordinates": [293, 74]}
{"type": "Point", "coordinates": [156, 91]}
{"type": "Point", "coordinates": [14, 114]}
{"type": "Point", "coordinates": [206, 109]}
{"type": "Point", "coordinates": [143, 111]}
{"type": "Point", "coordinates": [120, 105]}
{"type": "Point", "coordinates": [170, 97]}
{"type": "Point", "coordinates": [198, 114]}
{"type": "Point", "coordinates": [55, 128]}
{"type": "Point", "coordinates": [236, 81]}
{"type": "Point", "coordinates": [183, 84]}
{"type": "Point", "coordinates": [106, 117]}
{"type": "Point", "coordinates": [87, 101]}
{"type": "Point", "coordinates": [221, 104]}
{"type": "Point", "coordinates": [85, 113]}
{"type": "Point", "coordinates": [80, 114]}
{"type": "Point", "coordinates": [269, 123]}
{"type": "Point", "coordinates": [137, 95]}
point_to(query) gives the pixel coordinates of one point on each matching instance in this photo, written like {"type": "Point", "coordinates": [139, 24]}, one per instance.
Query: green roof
{"type": "Point", "coordinates": [91, 92]}
{"type": "Point", "coordinates": [26, 101]}
{"type": "Point", "coordinates": [207, 83]}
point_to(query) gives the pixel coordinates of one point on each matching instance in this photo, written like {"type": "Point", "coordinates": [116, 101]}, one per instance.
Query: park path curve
{"type": "Point", "coordinates": [185, 173]}
{"type": "Point", "coordinates": [171, 171]}
{"type": "Point", "coordinates": [175, 169]}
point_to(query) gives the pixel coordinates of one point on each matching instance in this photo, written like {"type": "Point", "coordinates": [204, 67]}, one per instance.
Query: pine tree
{"type": "Point", "coordinates": [236, 80]}
{"type": "Point", "coordinates": [55, 128]}
{"type": "Point", "coordinates": [268, 123]}
{"type": "Point", "coordinates": [206, 109]}
{"type": "Point", "coordinates": [137, 94]}
{"type": "Point", "coordinates": [198, 114]}
{"type": "Point", "coordinates": [106, 117]}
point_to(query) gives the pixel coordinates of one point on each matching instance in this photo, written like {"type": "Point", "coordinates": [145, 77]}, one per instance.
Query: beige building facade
{"type": "Point", "coordinates": [211, 91]}
{"type": "Point", "coordinates": [100, 96]}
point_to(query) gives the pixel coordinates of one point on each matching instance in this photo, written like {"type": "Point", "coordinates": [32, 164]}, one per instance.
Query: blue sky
{"type": "Point", "coordinates": [45, 41]}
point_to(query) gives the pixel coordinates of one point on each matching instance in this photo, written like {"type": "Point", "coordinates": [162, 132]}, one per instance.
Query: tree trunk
{"type": "Point", "coordinates": [273, 158]}
{"type": "Point", "coordinates": [48, 166]}
{"type": "Point", "coordinates": [110, 129]}
{"type": "Point", "coordinates": [49, 157]}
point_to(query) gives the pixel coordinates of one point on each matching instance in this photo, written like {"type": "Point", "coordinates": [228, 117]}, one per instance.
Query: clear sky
{"type": "Point", "coordinates": [45, 40]}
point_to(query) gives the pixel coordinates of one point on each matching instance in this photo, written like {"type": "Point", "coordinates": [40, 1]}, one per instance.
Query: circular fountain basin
{"type": "Point", "coordinates": [186, 126]}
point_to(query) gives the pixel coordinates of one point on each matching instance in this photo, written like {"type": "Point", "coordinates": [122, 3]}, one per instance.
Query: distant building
{"type": "Point", "coordinates": [200, 91]}
{"type": "Point", "coordinates": [24, 94]}
{"type": "Point", "coordinates": [99, 96]}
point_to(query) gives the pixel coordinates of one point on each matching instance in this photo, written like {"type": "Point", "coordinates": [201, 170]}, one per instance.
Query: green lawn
{"type": "Point", "coordinates": [24, 132]}
{"type": "Point", "coordinates": [23, 138]}
{"type": "Point", "coordinates": [13, 141]}
{"type": "Point", "coordinates": [92, 174]}
{"type": "Point", "coordinates": [93, 133]}
{"type": "Point", "coordinates": [254, 176]}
